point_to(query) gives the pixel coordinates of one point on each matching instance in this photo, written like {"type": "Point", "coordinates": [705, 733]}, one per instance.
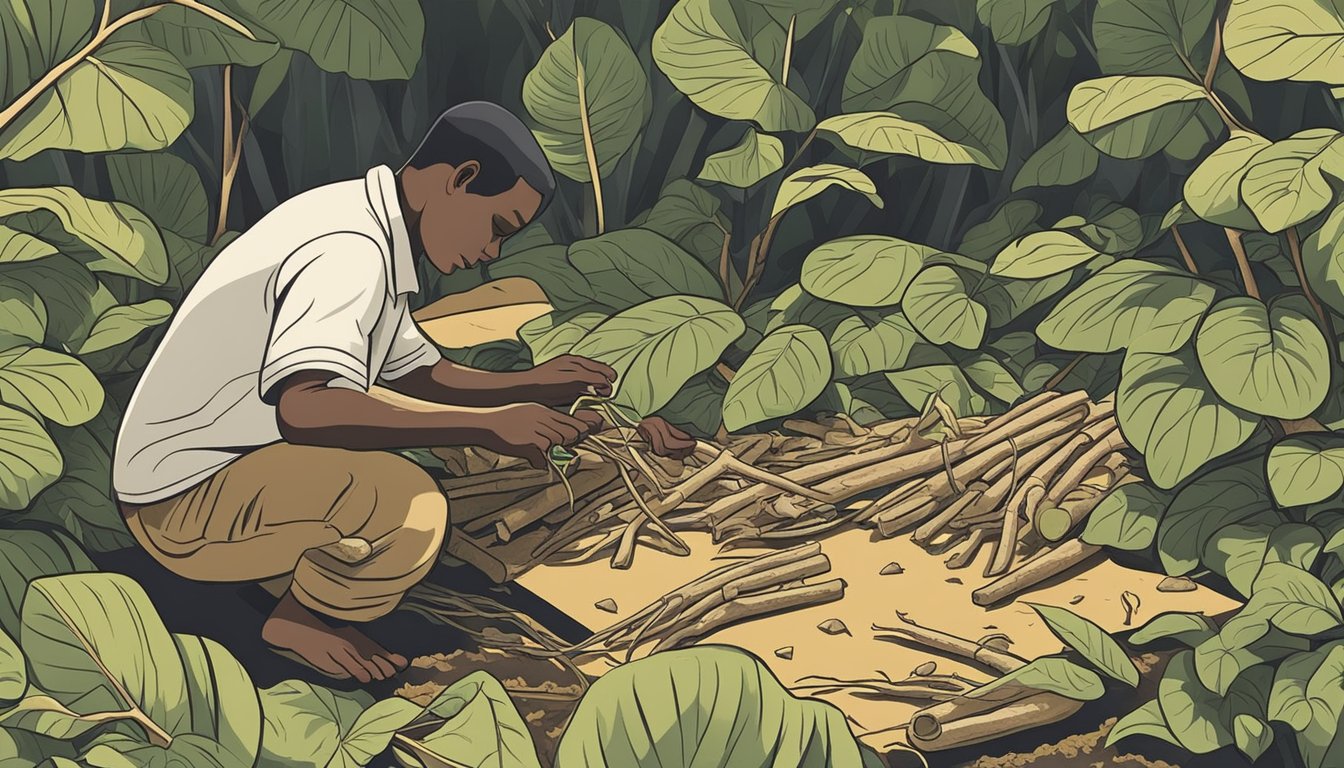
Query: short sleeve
{"type": "Point", "coordinates": [410, 349]}
{"type": "Point", "coordinates": [328, 299]}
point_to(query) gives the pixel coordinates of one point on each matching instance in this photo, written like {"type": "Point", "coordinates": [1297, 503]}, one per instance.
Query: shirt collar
{"type": "Point", "coordinates": [381, 187]}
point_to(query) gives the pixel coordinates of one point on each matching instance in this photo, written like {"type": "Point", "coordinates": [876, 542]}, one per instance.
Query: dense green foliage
{"type": "Point", "coordinates": [767, 207]}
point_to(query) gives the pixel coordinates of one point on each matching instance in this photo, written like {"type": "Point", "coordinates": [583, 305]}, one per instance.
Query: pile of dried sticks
{"type": "Point", "coordinates": [1019, 482]}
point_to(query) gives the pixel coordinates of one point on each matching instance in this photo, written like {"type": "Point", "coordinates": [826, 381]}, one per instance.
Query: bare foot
{"type": "Point", "coordinates": [339, 652]}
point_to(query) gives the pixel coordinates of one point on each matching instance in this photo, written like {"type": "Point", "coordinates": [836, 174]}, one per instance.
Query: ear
{"type": "Point", "coordinates": [463, 175]}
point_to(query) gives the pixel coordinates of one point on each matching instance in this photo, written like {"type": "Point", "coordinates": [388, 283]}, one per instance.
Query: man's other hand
{"type": "Point", "coordinates": [530, 430]}
{"type": "Point", "coordinates": [564, 379]}
{"type": "Point", "coordinates": [665, 439]}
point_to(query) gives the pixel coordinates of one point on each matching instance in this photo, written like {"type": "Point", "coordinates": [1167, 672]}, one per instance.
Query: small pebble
{"type": "Point", "coordinates": [784, 653]}
{"type": "Point", "coordinates": [925, 669]}
{"type": "Point", "coordinates": [1076, 600]}
{"type": "Point", "coordinates": [607, 605]}
{"type": "Point", "coordinates": [1176, 584]}
{"type": "Point", "coordinates": [954, 580]}
{"type": "Point", "coordinates": [891, 569]}
{"type": "Point", "coordinates": [834, 627]}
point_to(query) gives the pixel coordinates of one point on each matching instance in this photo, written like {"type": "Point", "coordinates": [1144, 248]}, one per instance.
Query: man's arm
{"type": "Point", "coordinates": [559, 381]}
{"type": "Point", "coordinates": [310, 412]}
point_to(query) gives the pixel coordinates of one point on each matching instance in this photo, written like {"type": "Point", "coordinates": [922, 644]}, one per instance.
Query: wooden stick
{"type": "Point", "coordinates": [964, 558]}
{"type": "Point", "coordinates": [910, 632]}
{"type": "Point", "coordinates": [1054, 523]}
{"type": "Point", "coordinates": [1050, 563]}
{"type": "Point", "coordinates": [753, 606]}
{"type": "Point", "coordinates": [943, 726]}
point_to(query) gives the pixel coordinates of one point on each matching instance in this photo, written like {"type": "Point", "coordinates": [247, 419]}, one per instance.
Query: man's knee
{"type": "Point", "coordinates": [406, 492]}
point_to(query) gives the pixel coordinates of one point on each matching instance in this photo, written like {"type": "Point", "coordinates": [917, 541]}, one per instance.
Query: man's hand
{"type": "Point", "coordinates": [665, 439]}
{"type": "Point", "coordinates": [530, 430]}
{"type": "Point", "coordinates": [564, 379]}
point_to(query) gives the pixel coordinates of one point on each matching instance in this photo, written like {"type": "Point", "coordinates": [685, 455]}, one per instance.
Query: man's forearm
{"type": "Point", "coordinates": [448, 382]}
{"type": "Point", "coordinates": [378, 420]}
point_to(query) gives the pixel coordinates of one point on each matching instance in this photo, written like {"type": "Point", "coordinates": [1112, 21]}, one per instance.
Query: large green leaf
{"type": "Point", "coordinates": [305, 723]}
{"type": "Point", "coordinates": [928, 74]}
{"type": "Point", "coordinates": [698, 407]}
{"type": "Point", "coordinates": [1042, 254]}
{"type": "Point", "coordinates": [1127, 517]}
{"type": "Point", "coordinates": [1136, 305]}
{"type": "Point", "coordinates": [1149, 37]}
{"type": "Point", "coordinates": [52, 384]}
{"type": "Point", "coordinates": [13, 670]}
{"type": "Point", "coordinates": [806, 183]}
{"type": "Point", "coordinates": [367, 39]}
{"type": "Point", "coordinates": [31, 554]}
{"type": "Point", "coordinates": [28, 459]}
{"type": "Point", "coordinates": [107, 236]}
{"type": "Point", "coordinates": [1090, 640]}
{"type": "Point", "coordinates": [196, 40]}
{"type": "Point", "coordinates": [657, 346]}
{"type": "Point", "coordinates": [1067, 158]}
{"type": "Point", "coordinates": [939, 307]}
{"type": "Point", "coordinates": [1284, 40]}
{"type": "Point", "coordinates": [688, 214]}
{"type": "Point", "coordinates": [548, 266]}
{"type": "Point", "coordinates": [1190, 710]}
{"type": "Point", "coordinates": [553, 334]}
{"type": "Point", "coordinates": [23, 316]}
{"type": "Point", "coordinates": [1286, 183]}
{"type": "Point", "coordinates": [1306, 695]}
{"type": "Point", "coordinates": [727, 56]}
{"type": "Point", "coordinates": [95, 645]}
{"type": "Point", "coordinates": [1243, 642]}
{"type": "Point", "coordinates": [1213, 190]}
{"type": "Point", "coordinates": [1272, 360]}
{"type": "Point", "coordinates": [889, 134]}
{"type": "Point", "coordinates": [858, 348]}
{"type": "Point", "coordinates": [786, 371]}
{"type": "Point", "coordinates": [124, 322]}
{"type": "Point", "coordinates": [1323, 260]}
{"type": "Point", "coordinates": [753, 158]}
{"type": "Point", "coordinates": [1130, 116]}
{"type": "Point", "coordinates": [479, 725]}
{"type": "Point", "coordinates": [589, 94]}
{"type": "Point", "coordinates": [122, 96]}
{"type": "Point", "coordinates": [1240, 550]}
{"type": "Point", "coordinates": [82, 501]}
{"type": "Point", "coordinates": [674, 708]}
{"type": "Point", "coordinates": [165, 187]}
{"type": "Point", "coordinates": [629, 265]}
{"type": "Point", "coordinates": [1147, 720]}
{"type": "Point", "coordinates": [1188, 628]}
{"type": "Point", "coordinates": [1294, 600]}
{"type": "Point", "coordinates": [1014, 22]}
{"type": "Point", "coordinates": [864, 270]}
{"type": "Point", "coordinates": [37, 35]}
{"type": "Point", "coordinates": [1306, 469]}
{"type": "Point", "coordinates": [1167, 410]}
{"type": "Point", "coordinates": [1225, 496]}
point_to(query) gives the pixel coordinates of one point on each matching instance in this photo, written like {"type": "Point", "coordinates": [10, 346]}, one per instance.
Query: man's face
{"type": "Point", "coordinates": [460, 228]}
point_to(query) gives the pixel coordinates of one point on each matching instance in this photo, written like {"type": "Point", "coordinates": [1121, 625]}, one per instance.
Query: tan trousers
{"type": "Point", "coordinates": [281, 510]}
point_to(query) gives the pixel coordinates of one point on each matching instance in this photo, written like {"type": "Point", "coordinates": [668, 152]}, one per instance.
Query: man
{"type": "Point", "coordinates": [256, 445]}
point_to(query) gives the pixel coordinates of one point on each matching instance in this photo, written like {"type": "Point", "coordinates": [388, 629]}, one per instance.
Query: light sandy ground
{"type": "Point", "coordinates": [922, 592]}
{"type": "Point", "coordinates": [495, 311]}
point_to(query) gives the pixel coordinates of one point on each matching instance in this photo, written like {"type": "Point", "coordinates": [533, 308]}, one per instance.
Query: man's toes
{"type": "Point", "coordinates": [357, 668]}
{"type": "Point", "coordinates": [398, 661]}
{"type": "Point", "coordinates": [385, 667]}
{"type": "Point", "coordinates": [329, 666]}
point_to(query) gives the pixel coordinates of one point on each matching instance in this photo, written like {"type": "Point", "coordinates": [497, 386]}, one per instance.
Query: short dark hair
{"type": "Point", "coordinates": [494, 137]}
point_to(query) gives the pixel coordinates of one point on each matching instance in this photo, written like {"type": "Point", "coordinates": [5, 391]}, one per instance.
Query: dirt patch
{"type": "Point", "coordinates": [1072, 752]}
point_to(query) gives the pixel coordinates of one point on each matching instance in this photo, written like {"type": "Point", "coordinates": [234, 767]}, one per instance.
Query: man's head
{"type": "Point", "coordinates": [478, 177]}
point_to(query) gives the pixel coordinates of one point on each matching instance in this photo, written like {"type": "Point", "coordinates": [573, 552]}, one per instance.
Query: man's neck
{"type": "Point", "coordinates": [411, 216]}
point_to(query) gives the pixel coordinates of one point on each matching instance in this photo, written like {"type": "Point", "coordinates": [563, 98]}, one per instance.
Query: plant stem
{"type": "Point", "coordinates": [107, 15]}
{"type": "Point", "coordinates": [788, 51]}
{"type": "Point", "coordinates": [1295, 251]}
{"type": "Point", "coordinates": [589, 149]}
{"type": "Point", "coordinates": [1063, 373]}
{"type": "Point", "coordinates": [230, 155]}
{"type": "Point", "coordinates": [1243, 263]}
{"type": "Point", "coordinates": [760, 247]}
{"type": "Point", "coordinates": [1184, 249]}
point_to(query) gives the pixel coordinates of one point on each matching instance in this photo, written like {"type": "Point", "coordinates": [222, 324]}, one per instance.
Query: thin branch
{"type": "Point", "coordinates": [230, 155]}
{"type": "Point", "coordinates": [1295, 251]}
{"type": "Point", "coordinates": [788, 51]}
{"type": "Point", "coordinates": [1184, 249]}
{"type": "Point", "coordinates": [107, 15]}
{"type": "Point", "coordinates": [1063, 373]}
{"type": "Point", "coordinates": [1243, 263]}
{"type": "Point", "coordinates": [1215, 55]}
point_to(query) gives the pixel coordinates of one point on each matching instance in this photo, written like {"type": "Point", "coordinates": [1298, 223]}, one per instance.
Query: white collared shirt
{"type": "Point", "coordinates": [321, 283]}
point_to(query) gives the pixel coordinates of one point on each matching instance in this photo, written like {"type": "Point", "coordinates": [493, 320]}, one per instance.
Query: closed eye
{"type": "Point", "coordinates": [502, 227]}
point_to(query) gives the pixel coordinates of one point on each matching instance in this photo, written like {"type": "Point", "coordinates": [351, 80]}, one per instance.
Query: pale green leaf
{"type": "Point", "coordinates": [1213, 190]}
{"type": "Point", "coordinates": [864, 270]}
{"type": "Point", "coordinates": [806, 183]}
{"type": "Point", "coordinates": [1286, 184]}
{"type": "Point", "coordinates": [1131, 116]}
{"type": "Point", "coordinates": [1136, 305]}
{"type": "Point", "coordinates": [52, 384]}
{"type": "Point", "coordinates": [890, 134]}
{"type": "Point", "coordinates": [1042, 254]}
{"type": "Point", "coordinates": [1091, 641]}
{"type": "Point", "coordinates": [107, 236]}
{"type": "Point", "coordinates": [165, 187]}
{"type": "Point", "coordinates": [786, 371]}
{"type": "Point", "coordinates": [1284, 40]}
{"type": "Point", "coordinates": [939, 307]}
{"type": "Point", "coordinates": [753, 158]}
